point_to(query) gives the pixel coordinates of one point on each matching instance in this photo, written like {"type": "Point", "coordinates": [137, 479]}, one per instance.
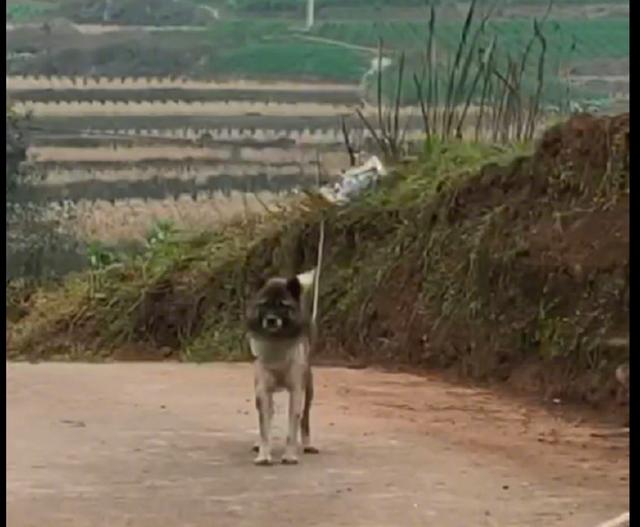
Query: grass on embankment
{"type": "Point", "coordinates": [476, 258]}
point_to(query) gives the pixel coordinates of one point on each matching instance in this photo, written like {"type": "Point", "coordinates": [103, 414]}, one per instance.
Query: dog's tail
{"type": "Point", "coordinates": [308, 281]}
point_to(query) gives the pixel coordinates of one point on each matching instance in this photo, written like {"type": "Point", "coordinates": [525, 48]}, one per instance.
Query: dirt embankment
{"type": "Point", "coordinates": [516, 272]}
{"type": "Point", "coordinates": [523, 273]}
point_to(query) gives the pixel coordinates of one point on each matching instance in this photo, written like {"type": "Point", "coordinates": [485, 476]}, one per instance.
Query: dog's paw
{"type": "Point", "coordinates": [310, 450]}
{"type": "Point", "coordinates": [289, 458]}
{"type": "Point", "coordinates": [263, 461]}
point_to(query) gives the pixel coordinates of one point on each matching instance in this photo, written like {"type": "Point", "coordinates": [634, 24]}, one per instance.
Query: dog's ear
{"type": "Point", "coordinates": [294, 287]}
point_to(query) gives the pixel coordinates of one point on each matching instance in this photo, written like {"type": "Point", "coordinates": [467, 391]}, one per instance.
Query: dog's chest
{"type": "Point", "coordinates": [281, 365]}
{"type": "Point", "coordinates": [275, 352]}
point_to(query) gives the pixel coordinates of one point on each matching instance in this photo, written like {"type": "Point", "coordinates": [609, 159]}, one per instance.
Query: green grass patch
{"type": "Point", "coordinates": [25, 12]}
{"type": "Point", "coordinates": [276, 7]}
{"type": "Point", "coordinates": [291, 59]}
{"type": "Point", "coordinates": [576, 39]}
{"type": "Point", "coordinates": [567, 43]}
{"type": "Point", "coordinates": [240, 49]}
{"type": "Point", "coordinates": [266, 49]}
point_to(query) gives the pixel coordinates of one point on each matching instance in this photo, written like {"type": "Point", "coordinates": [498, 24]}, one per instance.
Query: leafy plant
{"type": "Point", "coordinates": [100, 257]}
{"type": "Point", "coordinates": [160, 232]}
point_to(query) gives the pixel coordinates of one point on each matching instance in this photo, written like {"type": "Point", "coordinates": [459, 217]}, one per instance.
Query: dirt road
{"type": "Point", "coordinates": [169, 444]}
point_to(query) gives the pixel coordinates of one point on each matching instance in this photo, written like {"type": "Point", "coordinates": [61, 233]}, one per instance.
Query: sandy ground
{"type": "Point", "coordinates": [169, 444]}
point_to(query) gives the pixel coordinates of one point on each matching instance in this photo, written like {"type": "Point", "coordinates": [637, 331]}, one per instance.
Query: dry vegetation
{"type": "Point", "coordinates": [127, 221]}
{"type": "Point", "coordinates": [516, 269]}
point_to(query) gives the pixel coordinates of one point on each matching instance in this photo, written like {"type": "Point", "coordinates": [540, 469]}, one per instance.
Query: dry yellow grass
{"type": "Point", "coordinates": [129, 220]}
{"type": "Point", "coordinates": [198, 174]}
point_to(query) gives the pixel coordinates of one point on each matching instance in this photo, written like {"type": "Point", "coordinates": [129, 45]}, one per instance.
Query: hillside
{"type": "Point", "coordinates": [476, 259]}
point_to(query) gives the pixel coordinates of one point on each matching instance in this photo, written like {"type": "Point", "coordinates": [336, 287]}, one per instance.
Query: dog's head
{"type": "Point", "coordinates": [276, 311]}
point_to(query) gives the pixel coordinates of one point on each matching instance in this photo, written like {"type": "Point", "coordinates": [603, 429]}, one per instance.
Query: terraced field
{"type": "Point", "coordinates": [168, 95]}
{"type": "Point", "coordinates": [120, 155]}
{"type": "Point", "coordinates": [178, 102]}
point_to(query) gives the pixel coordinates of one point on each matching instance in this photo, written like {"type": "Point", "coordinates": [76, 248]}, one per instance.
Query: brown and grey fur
{"type": "Point", "coordinates": [279, 328]}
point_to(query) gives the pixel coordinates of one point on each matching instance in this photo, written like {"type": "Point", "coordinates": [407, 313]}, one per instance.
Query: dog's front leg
{"type": "Point", "coordinates": [264, 405]}
{"type": "Point", "coordinates": [295, 407]}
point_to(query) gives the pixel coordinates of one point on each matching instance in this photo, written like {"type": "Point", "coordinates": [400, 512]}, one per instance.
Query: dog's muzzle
{"type": "Point", "coordinates": [271, 322]}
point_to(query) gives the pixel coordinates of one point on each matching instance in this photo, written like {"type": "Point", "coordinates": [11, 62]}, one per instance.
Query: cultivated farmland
{"type": "Point", "coordinates": [204, 103]}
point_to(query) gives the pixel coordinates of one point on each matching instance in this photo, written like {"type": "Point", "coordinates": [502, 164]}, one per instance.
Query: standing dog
{"type": "Point", "coordinates": [280, 333]}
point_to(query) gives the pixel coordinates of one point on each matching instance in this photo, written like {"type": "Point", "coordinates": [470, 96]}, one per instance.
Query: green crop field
{"type": "Point", "coordinates": [265, 47]}
{"type": "Point", "coordinates": [598, 38]}
{"type": "Point", "coordinates": [180, 12]}
{"type": "Point", "coordinates": [236, 49]}
{"type": "Point", "coordinates": [22, 12]}
{"type": "Point", "coordinates": [124, 12]}
{"type": "Point", "coordinates": [595, 38]}
{"type": "Point", "coordinates": [569, 42]}
{"type": "Point", "coordinates": [292, 59]}
{"type": "Point", "coordinates": [281, 6]}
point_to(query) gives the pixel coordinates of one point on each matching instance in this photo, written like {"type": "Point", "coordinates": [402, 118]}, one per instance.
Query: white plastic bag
{"type": "Point", "coordinates": [354, 181]}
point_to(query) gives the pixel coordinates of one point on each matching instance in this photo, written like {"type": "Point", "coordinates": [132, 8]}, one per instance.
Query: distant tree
{"type": "Point", "coordinates": [32, 238]}
{"type": "Point", "coordinates": [17, 144]}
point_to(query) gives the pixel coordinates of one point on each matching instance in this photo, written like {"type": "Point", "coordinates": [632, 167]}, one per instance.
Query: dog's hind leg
{"type": "Point", "coordinates": [264, 405]}
{"type": "Point", "coordinates": [305, 425]}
